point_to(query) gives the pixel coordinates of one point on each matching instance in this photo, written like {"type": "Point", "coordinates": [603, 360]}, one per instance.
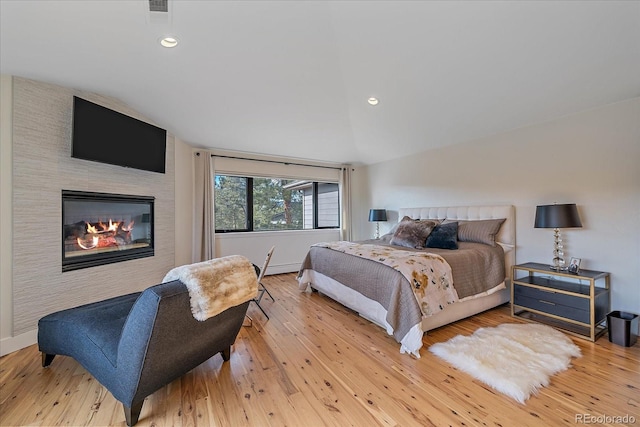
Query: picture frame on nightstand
{"type": "Point", "coordinates": [574, 265]}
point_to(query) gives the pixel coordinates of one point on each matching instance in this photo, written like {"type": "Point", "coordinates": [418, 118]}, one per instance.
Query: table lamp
{"type": "Point", "coordinates": [377, 215]}
{"type": "Point", "coordinates": [557, 217]}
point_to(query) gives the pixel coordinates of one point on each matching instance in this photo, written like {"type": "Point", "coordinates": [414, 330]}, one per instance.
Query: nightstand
{"type": "Point", "coordinates": [576, 303]}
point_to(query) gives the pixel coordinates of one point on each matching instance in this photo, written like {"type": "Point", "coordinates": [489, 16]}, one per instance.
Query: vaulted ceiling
{"type": "Point", "coordinates": [292, 78]}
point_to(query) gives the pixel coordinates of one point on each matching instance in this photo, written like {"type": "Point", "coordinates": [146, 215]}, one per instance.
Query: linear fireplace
{"type": "Point", "coordinates": [100, 228]}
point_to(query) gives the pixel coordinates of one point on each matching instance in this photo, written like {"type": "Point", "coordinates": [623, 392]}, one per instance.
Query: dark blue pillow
{"type": "Point", "coordinates": [444, 236]}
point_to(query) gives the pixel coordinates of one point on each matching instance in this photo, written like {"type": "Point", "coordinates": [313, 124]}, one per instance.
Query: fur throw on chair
{"type": "Point", "coordinates": [217, 284]}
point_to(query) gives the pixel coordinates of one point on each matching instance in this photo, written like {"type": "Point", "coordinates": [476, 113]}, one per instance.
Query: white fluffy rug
{"type": "Point", "coordinates": [514, 359]}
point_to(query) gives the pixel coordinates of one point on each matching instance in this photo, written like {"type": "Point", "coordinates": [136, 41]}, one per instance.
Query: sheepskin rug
{"type": "Point", "coordinates": [514, 359]}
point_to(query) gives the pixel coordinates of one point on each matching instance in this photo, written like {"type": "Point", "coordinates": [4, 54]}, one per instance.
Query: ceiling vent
{"type": "Point", "coordinates": [159, 12]}
{"type": "Point", "coordinates": [159, 6]}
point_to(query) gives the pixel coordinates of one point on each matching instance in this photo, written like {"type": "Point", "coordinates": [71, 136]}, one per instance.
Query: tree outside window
{"type": "Point", "coordinates": [274, 204]}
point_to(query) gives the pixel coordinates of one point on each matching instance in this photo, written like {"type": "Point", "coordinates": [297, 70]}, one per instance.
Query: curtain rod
{"type": "Point", "coordinates": [274, 161]}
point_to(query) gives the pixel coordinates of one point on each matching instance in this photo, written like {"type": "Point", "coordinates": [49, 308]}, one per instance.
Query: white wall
{"type": "Point", "coordinates": [591, 159]}
{"type": "Point", "coordinates": [291, 246]}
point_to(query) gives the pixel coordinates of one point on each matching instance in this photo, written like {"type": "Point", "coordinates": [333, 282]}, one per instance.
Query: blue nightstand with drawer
{"type": "Point", "coordinates": [576, 303]}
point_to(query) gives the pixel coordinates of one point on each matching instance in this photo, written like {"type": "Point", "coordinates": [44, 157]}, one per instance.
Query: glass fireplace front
{"type": "Point", "coordinates": [100, 228]}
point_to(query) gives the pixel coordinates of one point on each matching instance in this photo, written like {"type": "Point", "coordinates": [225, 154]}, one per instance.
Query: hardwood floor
{"type": "Point", "coordinates": [316, 363]}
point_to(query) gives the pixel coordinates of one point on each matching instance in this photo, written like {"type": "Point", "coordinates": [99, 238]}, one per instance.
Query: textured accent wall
{"type": "Point", "coordinates": [42, 168]}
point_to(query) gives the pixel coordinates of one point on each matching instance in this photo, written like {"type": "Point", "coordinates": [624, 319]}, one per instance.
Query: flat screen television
{"type": "Point", "coordinates": [106, 136]}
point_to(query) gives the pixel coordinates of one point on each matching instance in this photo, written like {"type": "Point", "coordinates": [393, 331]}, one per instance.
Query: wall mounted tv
{"type": "Point", "coordinates": [106, 136]}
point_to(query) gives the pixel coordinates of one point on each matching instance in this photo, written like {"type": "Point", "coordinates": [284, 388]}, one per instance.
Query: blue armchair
{"type": "Point", "coordinates": [137, 343]}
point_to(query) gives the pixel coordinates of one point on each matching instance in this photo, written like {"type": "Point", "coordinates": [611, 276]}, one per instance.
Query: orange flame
{"type": "Point", "coordinates": [113, 226]}
{"type": "Point", "coordinates": [94, 242]}
{"type": "Point", "coordinates": [103, 237]}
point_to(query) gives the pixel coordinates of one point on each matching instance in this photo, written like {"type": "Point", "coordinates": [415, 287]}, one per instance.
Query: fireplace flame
{"type": "Point", "coordinates": [128, 227]}
{"type": "Point", "coordinates": [94, 242]}
{"type": "Point", "coordinates": [113, 226]}
{"type": "Point", "coordinates": [104, 235]}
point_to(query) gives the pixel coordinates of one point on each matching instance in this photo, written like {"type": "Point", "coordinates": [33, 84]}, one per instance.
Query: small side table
{"type": "Point", "coordinates": [576, 303]}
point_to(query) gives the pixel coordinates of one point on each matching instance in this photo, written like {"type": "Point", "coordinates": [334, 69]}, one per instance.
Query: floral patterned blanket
{"type": "Point", "coordinates": [429, 274]}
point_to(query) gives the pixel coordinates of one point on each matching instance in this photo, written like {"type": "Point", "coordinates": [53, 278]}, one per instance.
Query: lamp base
{"type": "Point", "coordinates": [558, 253]}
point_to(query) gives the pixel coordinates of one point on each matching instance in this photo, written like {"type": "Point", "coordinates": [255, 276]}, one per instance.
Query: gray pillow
{"type": "Point", "coordinates": [481, 231]}
{"type": "Point", "coordinates": [412, 233]}
{"type": "Point", "coordinates": [444, 236]}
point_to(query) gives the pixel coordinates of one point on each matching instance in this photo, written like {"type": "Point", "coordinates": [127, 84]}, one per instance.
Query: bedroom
{"type": "Point", "coordinates": [586, 156]}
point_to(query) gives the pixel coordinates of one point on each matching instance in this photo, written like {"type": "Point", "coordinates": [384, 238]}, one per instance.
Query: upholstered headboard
{"type": "Point", "coordinates": [506, 236]}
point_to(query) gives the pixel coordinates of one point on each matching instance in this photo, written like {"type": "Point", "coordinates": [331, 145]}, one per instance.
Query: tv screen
{"type": "Point", "coordinates": [106, 136]}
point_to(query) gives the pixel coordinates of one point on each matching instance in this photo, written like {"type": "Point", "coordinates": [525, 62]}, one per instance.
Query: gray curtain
{"type": "Point", "coordinates": [345, 202]}
{"type": "Point", "coordinates": [203, 215]}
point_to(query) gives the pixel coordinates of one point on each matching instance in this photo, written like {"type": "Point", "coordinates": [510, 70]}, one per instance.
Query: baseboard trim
{"type": "Point", "coordinates": [283, 268]}
{"type": "Point", "coordinates": [11, 344]}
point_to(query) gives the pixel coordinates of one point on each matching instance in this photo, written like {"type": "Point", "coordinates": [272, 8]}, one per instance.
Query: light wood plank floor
{"type": "Point", "coordinates": [316, 363]}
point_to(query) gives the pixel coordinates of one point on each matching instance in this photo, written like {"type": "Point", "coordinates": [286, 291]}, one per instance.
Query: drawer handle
{"type": "Point", "coordinates": [546, 302]}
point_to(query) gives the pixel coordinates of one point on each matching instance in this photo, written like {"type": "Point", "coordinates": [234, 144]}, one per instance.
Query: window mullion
{"type": "Point", "coordinates": [249, 203]}
{"type": "Point", "coordinates": [314, 197]}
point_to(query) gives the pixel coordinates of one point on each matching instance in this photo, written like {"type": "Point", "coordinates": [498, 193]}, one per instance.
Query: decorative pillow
{"type": "Point", "coordinates": [412, 233]}
{"type": "Point", "coordinates": [444, 236]}
{"type": "Point", "coordinates": [386, 238]}
{"type": "Point", "coordinates": [481, 231]}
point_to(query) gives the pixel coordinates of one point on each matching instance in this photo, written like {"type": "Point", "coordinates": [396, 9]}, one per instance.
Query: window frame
{"type": "Point", "coordinates": [315, 206]}
{"type": "Point", "coordinates": [249, 200]}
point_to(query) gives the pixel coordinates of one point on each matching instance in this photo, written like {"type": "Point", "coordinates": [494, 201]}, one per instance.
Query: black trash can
{"type": "Point", "coordinates": [623, 328]}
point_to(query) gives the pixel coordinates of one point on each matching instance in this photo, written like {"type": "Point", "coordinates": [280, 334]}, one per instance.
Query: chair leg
{"type": "Point", "coordinates": [261, 291]}
{"type": "Point", "coordinates": [263, 312]}
{"type": "Point", "coordinates": [268, 293]}
{"type": "Point", "coordinates": [257, 300]}
{"type": "Point", "coordinates": [226, 354]}
{"type": "Point", "coordinates": [132, 413]}
{"type": "Point", "coordinates": [47, 359]}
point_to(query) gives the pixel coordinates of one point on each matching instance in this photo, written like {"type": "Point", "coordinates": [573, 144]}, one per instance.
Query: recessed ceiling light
{"type": "Point", "coordinates": [169, 41]}
{"type": "Point", "coordinates": [373, 101]}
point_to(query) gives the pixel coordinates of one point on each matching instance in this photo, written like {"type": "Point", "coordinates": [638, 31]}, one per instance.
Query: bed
{"type": "Point", "coordinates": [377, 291]}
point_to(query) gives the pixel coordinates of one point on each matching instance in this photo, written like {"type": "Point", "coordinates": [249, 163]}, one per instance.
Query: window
{"type": "Point", "coordinates": [232, 203]}
{"type": "Point", "coordinates": [268, 204]}
{"type": "Point", "coordinates": [327, 205]}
